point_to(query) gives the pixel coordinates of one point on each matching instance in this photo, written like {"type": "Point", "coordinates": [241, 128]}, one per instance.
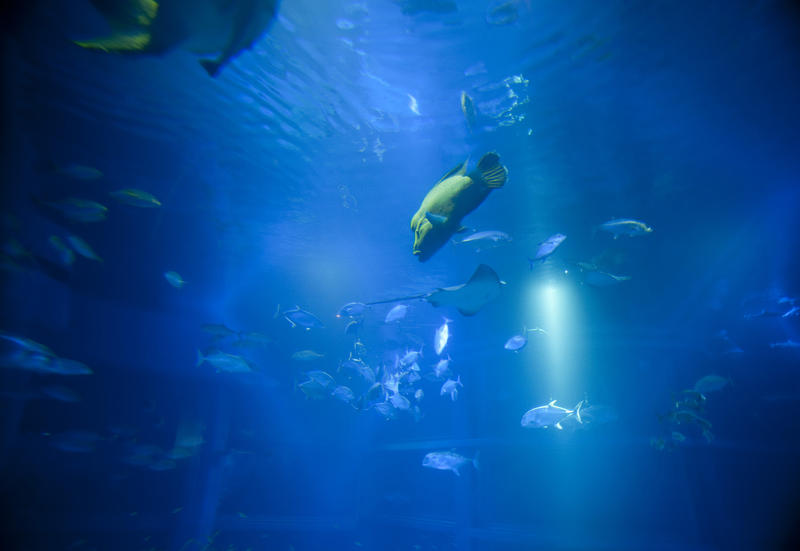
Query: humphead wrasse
{"type": "Point", "coordinates": [207, 27]}
{"type": "Point", "coordinates": [453, 197]}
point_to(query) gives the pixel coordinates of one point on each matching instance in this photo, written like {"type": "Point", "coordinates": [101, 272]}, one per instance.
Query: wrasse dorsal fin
{"type": "Point", "coordinates": [457, 170]}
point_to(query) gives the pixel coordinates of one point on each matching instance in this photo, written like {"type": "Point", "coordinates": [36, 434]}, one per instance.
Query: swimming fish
{"type": "Point", "coordinates": [502, 12]}
{"type": "Point", "coordinates": [711, 383]}
{"type": "Point", "coordinates": [485, 239]}
{"type": "Point", "coordinates": [442, 368]}
{"type": "Point", "coordinates": [785, 344]}
{"type": "Point", "coordinates": [206, 27]}
{"type": "Point", "coordinates": [454, 196]}
{"type": "Point", "coordinates": [547, 247]}
{"type": "Point", "coordinates": [218, 330]}
{"type": "Point", "coordinates": [345, 394]}
{"type": "Point", "coordinates": [451, 387]}
{"type": "Point", "coordinates": [222, 361]}
{"type": "Point", "coordinates": [412, 104]}
{"type": "Point", "coordinates": [603, 279]}
{"type": "Point", "coordinates": [441, 337]}
{"type": "Point", "coordinates": [80, 210]}
{"type": "Point", "coordinates": [550, 415]}
{"type": "Point", "coordinates": [468, 298]}
{"type": "Point", "coordinates": [83, 248]}
{"type": "Point", "coordinates": [306, 356]}
{"type": "Point", "coordinates": [468, 108]}
{"type": "Point", "coordinates": [625, 226]}
{"type": "Point", "coordinates": [396, 314]}
{"type": "Point", "coordinates": [298, 317]}
{"type": "Point", "coordinates": [135, 198]}
{"type": "Point", "coordinates": [76, 171]}
{"type": "Point", "coordinates": [448, 461]}
{"type": "Point", "coordinates": [174, 279]}
{"type": "Point", "coordinates": [65, 254]}
{"type": "Point", "coordinates": [399, 401]}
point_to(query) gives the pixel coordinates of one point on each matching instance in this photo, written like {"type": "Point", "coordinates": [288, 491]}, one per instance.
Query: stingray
{"type": "Point", "coordinates": [468, 298]}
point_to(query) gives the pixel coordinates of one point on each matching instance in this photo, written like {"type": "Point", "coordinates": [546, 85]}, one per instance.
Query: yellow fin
{"type": "Point", "coordinates": [121, 43]}
{"type": "Point", "coordinates": [492, 173]}
{"type": "Point", "coordinates": [459, 169]}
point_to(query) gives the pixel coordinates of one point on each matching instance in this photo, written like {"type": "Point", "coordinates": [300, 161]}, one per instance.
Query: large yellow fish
{"type": "Point", "coordinates": [453, 197]}
{"type": "Point", "coordinates": [208, 27]}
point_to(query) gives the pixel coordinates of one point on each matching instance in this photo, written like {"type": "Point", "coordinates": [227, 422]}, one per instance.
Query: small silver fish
{"type": "Point", "coordinates": [625, 226]}
{"type": "Point", "coordinates": [451, 387]}
{"type": "Point", "coordinates": [396, 314]}
{"type": "Point", "coordinates": [135, 198]}
{"type": "Point", "coordinates": [306, 356]}
{"type": "Point", "coordinates": [711, 383]}
{"type": "Point", "coordinates": [174, 279]}
{"type": "Point", "coordinates": [603, 279]}
{"type": "Point", "coordinates": [298, 317]}
{"type": "Point", "coordinates": [550, 415]}
{"type": "Point", "coordinates": [442, 368]}
{"type": "Point", "coordinates": [222, 361]}
{"type": "Point", "coordinates": [65, 254]}
{"type": "Point", "coordinates": [83, 248]}
{"type": "Point", "coordinates": [441, 337]}
{"type": "Point", "coordinates": [80, 210]}
{"type": "Point", "coordinates": [785, 344]}
{"type": "Point", "coordinates": [547, 247]}
{"type": "Point", "coordinates": [448, 461]}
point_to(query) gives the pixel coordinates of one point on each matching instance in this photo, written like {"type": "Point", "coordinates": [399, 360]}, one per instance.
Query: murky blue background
{"type": "Point", "coordinates": [290, 180]}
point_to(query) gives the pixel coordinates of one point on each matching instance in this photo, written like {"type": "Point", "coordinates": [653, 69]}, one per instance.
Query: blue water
{"type": "Point", "coordinates": [290, 179]}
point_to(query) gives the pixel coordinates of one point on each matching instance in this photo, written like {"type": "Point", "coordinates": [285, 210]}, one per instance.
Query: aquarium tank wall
{"type": "Point", "coordinates": [399, 275]}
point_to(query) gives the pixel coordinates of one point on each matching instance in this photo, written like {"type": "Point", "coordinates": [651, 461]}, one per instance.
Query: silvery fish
{"type": "Point", "coordinates": [441, 337]}
{"type": "Point", "coordinates": [321, 378]}
{"type": "Point", "coordinates": [312, 389]}
{"type": "Point", "coordinates": [549, 415]}
{"type": "Point", "coordinates": [441, 369]}
{"type": "Point", "coordinates": [385, 409]}
{"type": "Point", "coordinates": [410, 357]}
{"type": "Point", "coordinates": [625, 226]}
{"type": "Point", "coordinates": [222, 361]}
{"type": "Point", "coordinates": [399, 401]}
{"type": "Point", "coordinates": [451, 387]}
{"type": "Point", "coordinates": [397, 313]}
{"type": "Point", "coordinates": [65, 254]}
{"type": "Point", "coordinates": [344, 394]}
{"type": "Point", "coordinates": [419, 395]}
{"type": "Point", "coordinates": [306, 356]}
{"type": "Point", "coordinates": [785, 344]}
{"type": "Point", "coordinates": [135, 198]}
{"type": "Point", "coordinates": [174, 279]}
{"type": "Point", "coordinates": [83, 248]}
{"type": "Point", "coordinates": [603, 279]}
{"type": "Point", "coordinates": [547, 247]}
{"type": "Point", "coordinates": [711, 383]}
{"type": "Point", "coordinates": [485, 239]}
{"type": "Point", "coordinates": [28, 344]}
{"type": "Point", "coordinates": [306, 320]}
{"type": "Point", "coordinates": [80, 210]}
{"type": "Point", "coordinates": [448, 461]}
{"type": "Point", "coordinates": [218, 330]}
